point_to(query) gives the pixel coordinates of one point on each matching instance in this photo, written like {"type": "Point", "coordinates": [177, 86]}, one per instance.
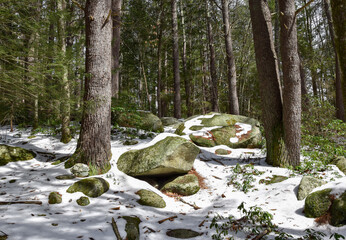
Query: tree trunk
{"type": "Point", "coordinates": [116, 41]}
{"type": "Point", "coordinates": [176, 74]}
{"type": "Point", "coordinates": [304, 90]}
{"type": "Point", "coordinates": [291, 80]}
{"type": "Point", "coordinates": [268, 73]}
{"type": "Point", "coordinates": [94, 147]}
{"type": "Point", "coordinates": [159, 61]}
{"type": "Point", "coordinates": [231, 71]}
{"type": "Point", "coordinates": [340, 108]}
{"type": "Point", "coordinates": [339, 22]}
{"type": "Point", "coordinates": [213, 76]}
{"type": "Point", "coordinates": [65, 103]}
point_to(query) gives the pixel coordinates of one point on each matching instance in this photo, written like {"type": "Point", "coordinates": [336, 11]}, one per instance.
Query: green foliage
{"type": "Point", "coordinates": [242, 177]}
{"type": "Point", "coordinates": [322, 137]}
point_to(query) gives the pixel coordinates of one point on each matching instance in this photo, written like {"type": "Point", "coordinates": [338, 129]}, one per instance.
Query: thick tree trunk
{"type": "Point", "coordinates": [339, 22]}
{"type": "Point", "coordinates": [176, 74]}
{"type": "Point", "coordinates": [231, 71]}
{"type": "Point", "coordinates": [116, 41]}
{"type": "Point", "coordinates": [291, 80]}
{"type": "Point", "coordinates": [94, 147]}
{"type": "Point", "coordinates": [65, 103]}
{"type": "Point", "coordinates": [340, 108]}
{"type": "Point", "coordinates": [270, 89]}
{"type": "Point", "coordinates": [213, 76]}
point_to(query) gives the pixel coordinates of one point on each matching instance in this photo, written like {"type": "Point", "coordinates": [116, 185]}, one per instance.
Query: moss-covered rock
{"type": "Point", "coordinates": [130, 142]}
{"type": "Point", "coordinates": [65, 177]}
{"type": "Point", "coordinates": [14, 154]}
{"type": "Point", "coordinates": [149, 198]}
{"type": "Point", "coordinates": [340, 162]}
{"type": "Point", "coordinates": [184, 185]}
{"type": "Point", "coordinates": [338, 211]}
{"type": "Point", "coordinates": [172, 155]}
{"type": "Point", "coordinates": [132, 227]}
{"type": "Point", "coordinates": [183, 233]}
{"type": "Point", "coordinates": [317, 203]}
{"type": "Point", "coordinates": [92, 187]}
{"type": "Point", "coordinates": [221, 151]}
{"type": "Point", "coordinates": [80, 170]}
{"type": "Point", "coordinates": [168, 121]}
{"type": "Point", "coordinates": [274, 179]}
{"type": "Point", "coordinates": [307, 184]}
{"type": "Point", "coordinates": [180, 129]}
{"type": "Point", "coordinates": [54, 198]}
{"type": "Point", "coordinates": [83, 201]}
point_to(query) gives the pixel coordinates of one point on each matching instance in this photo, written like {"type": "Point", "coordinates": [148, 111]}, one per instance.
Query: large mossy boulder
{"type": "Point", "coordinates": [340, 162]}
{"type": "Point", "coordinates": [184, 185]}
{"type": "Point", "coordinates": [317, 203]}
{"type": "Point", "coordinates": [172, 155]}
{"type": "Point", "coordinates": [149, 198]}
{"type": "Point", "coordinates": [14, 154]}
{"type": "Point", "coordinates": [92, 187]}
{"type": "Point", "coordinates": [139, 119]}
{"type": "Point", "coordinates": [234, 131]}
{"type": "Point", "coordinates": [338, 211]}
{"type": "Point", "coordinates": [307, 184]}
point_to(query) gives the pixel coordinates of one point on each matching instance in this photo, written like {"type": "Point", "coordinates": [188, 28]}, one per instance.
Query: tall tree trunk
{"type": "Point", "coordinates": [304, 90]}
{"type": "Point", "coordinates": [176, 74]}
{"type": "Point", "coordinates": [116, 41]}
{"type": "Point", "coordinates": [339, 22]}
{"type": "Point", "coordinates": [94, 147]}
{"type": "Point", "coordinates": [65, 104]}
{"type": "Point", "coordinates": [270, 89]}
{"type": "Point", "coordinates": [231, 71]}
{"type": "Point", "coordinates": [291, 80]}
{"type": "Point", "coordinates": [340, 108]}
{"type": "Point", "coordinates": [213, 76]}
{"type": "Point", "coordinates": [159, 61]}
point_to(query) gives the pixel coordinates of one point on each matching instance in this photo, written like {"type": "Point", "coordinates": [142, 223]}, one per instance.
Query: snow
{"type": "Point", "coordinates": [35, 179]}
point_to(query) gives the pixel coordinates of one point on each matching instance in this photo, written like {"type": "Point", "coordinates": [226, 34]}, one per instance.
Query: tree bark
{"type": "Point", "coordinates": [116, 41]}
{"type": "Point", "coordinates": [291, 80]}
{"type": "Point", "coordinates": [176, 73]}
{"type": "Point", "coordinates": [339, 23]}
{"type": "Point", "coordinates": [268, 73]}
{"type": "Point", "coordinates": [231, 70]}
{"type": "Point", "coordinates": [159, 61]}
{"type": "Point", "coordinates": [340, 108]}
{"type": "Point", "coordinates": [213, 75]}
{"type": "Point", "coordinates": [94, 147]}
{"type": "Point", "coordinates": [65, 103]}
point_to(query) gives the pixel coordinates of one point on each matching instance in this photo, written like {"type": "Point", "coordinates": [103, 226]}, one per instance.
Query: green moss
{"type": "Point", "coordinates": [65, 176]}
{"type": "Point", "coordinates": [196, 128]}
{"type": "Point", "coordinates": [83, 201]}
{"type": "Point", "coordinates": [32, 136]}
{"type": "Point", "coordinates": [92, 187]}
{"type": "Point", "coordinates": [132, 227]}
{"type": "Point", "coordinates": [203, 141]}
{"type": "Point", "coordinates": [184, 185]}
{"type": "Point", "coordinates": [317, 203]}
{"type": "Point", "coordinates": [14, 154]}
{"type": "Point", "coordinates": [54, 198]}
{"type": "Point", "coordinates": [274, 179]}
{"type": "Point", "coordinates": [149, 198]}
{"type": "Point", "coordinates": [180, 129]}
{"type": "Point", "coordinates": [183, 233]}
{"type": "Point", "coordinates": [221, 151]}
{"type": "Point", "coordinates": [338, 211]}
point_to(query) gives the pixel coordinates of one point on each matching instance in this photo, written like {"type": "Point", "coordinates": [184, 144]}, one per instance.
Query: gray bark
{"type": "Point", "coordinates": [116, 41]}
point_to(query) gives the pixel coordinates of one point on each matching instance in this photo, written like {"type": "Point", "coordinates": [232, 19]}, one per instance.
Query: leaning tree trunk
{"type": "Point", "coordinates": [231, 71]}
{"type": "Point", "coordinates": [291, 80]}
{"type": "Point", "coordinates": [116, 40]}
{"type": "Point", "coordinates": [94, 147]}
{"type": "Point", "coordinates": [270, 89]}
{"type": "Point", "coordinates": [176, 74]}
{"type": "Point", "coordinates": [65, 103]}
{"type": "Point", "coordinates": [340, 108]}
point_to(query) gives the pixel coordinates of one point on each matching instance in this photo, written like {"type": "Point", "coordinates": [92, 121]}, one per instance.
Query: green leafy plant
{"type": "Point", "coordinates": [242, 177]}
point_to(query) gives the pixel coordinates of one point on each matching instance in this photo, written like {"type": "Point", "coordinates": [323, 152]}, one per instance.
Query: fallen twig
{"type": "Point", "coordinates": [116, 230]}
{"type": "Point", "coordinates": [190, 204]}
{"type": "Point", "coordinates": [169, 218]}
{"type": "Point", "coordinates": [217, 177]}
{"type": "Point", "coordinates": [202, 223]}
{"type": "Point", "coordinates": [20, 202]}
{"type": "Point", "coordinates": [261, 235]}
{"type": "Point", "coordinates": [218, 161]}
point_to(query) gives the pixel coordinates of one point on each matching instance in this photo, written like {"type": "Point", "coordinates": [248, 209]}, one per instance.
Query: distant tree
{"type": "Point", "coordinates": [93, 146]}
{"type": "Point", "coordinates": [116, 41]}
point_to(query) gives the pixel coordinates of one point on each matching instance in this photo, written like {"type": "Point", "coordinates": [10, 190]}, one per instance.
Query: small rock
{"type": "Point", "coordinates": [83, 201]}
{"type": "Point", "coordinates": [183, 233]}
{"type": "Point", "coordinates": [317, 203]}
{"type": "Point", "coordinates": [307, 184]}
{"type": "Point", "coordinates": [92, 187]}
{"type": "Point", "coordinates": [221, 151]}
{"type": "Point", "coordinates": [149, 198]}
{"type": "Point", "coordinates": [54, 198]}
{"type": "Point", "coordinates": [80, 170]}
{"type": "Point", "coordinates": [132, 227]}
{"type": "Point", "coordinates": [340, 162]}
{"type": "Point", "coordinates": [184, 185]}
{"type": "Point", "coordinates": [167, 121]}
{"type": "Point", "coordinates": [65, 177]}
{"type": "Point", "coordinates": [18, 135]}
{"type": "Point", "coordinates": [130, 142]}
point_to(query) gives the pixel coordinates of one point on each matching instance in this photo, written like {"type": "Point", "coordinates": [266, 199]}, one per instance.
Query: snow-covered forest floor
{"type": "Point", "coordinates": [35, 179]}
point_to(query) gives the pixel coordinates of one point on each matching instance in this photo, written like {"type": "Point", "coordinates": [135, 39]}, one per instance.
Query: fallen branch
{"type": "Point", "coordinates": [170, 219]}
{"type": "Point", "coordinates": [218, 161]}
{"type": "Point", "coordinates": [116, 230]}
{"type": "Point", "coordinates": [190, 204]}
{"type": "Point", "coordinates": [261, 235]}
{"type": "Point", "coordinates": [20, 202]}
{"type": "Point", "coordinates": [202, 223]}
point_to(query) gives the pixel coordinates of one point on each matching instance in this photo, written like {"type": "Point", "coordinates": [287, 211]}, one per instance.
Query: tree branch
{"type": "Point", "coordinates": [302, 8]}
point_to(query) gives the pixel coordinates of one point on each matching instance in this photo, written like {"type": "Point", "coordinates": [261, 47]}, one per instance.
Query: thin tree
{"type": "Point", "coordinates": [116, 41]}
{"type": "Point", "coordinates": [269, 79]}
{"type": "Point", "coordinates": [176, 73]}
{"type": "Point", "coordinates": [231, 70]}
{"type": "Point", "coordinates": [291, 81]}
{"type": "Point", "coordinates": [93, 146]}
{"type": "Point", "coordinates": [159, 60]}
